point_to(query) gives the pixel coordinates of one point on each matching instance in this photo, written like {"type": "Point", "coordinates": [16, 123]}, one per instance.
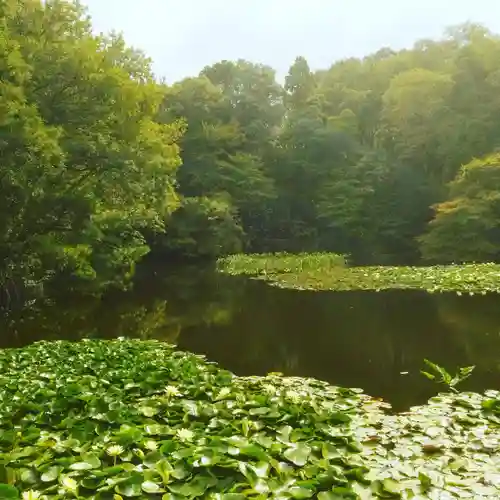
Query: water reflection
{"type": "Point", "coordinates": [355, 339]}
{"type": "Point", "coordinates": [158, 307]}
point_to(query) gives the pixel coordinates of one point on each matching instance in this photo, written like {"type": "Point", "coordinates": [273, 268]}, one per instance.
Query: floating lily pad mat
{"type": "Point", "coordinates": [133, 419]}
{"type": "Point", "coordinates": [323, 273]}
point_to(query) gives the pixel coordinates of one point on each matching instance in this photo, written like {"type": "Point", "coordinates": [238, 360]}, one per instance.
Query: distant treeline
{"type": "Point", "coordinates": [390, 159]}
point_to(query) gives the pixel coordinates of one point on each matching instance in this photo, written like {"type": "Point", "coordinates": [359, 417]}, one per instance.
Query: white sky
{"type": "Point", "coordinates": [183, 36]}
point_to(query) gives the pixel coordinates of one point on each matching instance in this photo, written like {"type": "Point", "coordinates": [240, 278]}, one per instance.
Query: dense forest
{"type": "Point", "coordinates": [392, 158]}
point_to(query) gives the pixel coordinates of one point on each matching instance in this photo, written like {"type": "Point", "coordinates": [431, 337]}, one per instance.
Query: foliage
{"type": "Point", "coordinates": [445, 449]}
{"type": "Point", "coordinates": [320, 274]}
{"type": "Point", "coordinates": [86, 168]}
{"type": "Point", "coordinates": [230, 110]}
{"type": "Point", "coordinates": [265, 264]}
{"type": "Point", "coordinates": [451, 381]}
{"type": "Point", "coordinates": [467, 225]}
{"type": "Point", "coordinates": [204, 228]}
{"type": "Point", "coordinates": [141, 420]}
{"type": "Point", "coordinates": [349, 159]}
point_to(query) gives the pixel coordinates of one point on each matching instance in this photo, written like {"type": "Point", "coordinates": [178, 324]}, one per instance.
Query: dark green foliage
{"type": "Point", "coordinates": [85, 168]}
{"type": "Point", "coordinates": [349, 160]}
{"type": "Point", "coordinates": [201, 228]}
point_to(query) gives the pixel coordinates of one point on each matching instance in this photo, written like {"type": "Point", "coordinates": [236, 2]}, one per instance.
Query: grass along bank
{"type": "Point", "coordinates": [274, 263]}
{"type": "Point", "coordinates": [330, 272]}
{"type": "Point", "coordinates": [133, 419]}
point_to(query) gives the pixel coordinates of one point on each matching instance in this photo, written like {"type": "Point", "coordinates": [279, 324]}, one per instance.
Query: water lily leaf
{"type": "Point", "coordinates": [186, 490]}
{"type": "Point", "coordinates": [300, 493]}
{"type": "Point", "coordinates": [91, 483]}
{"type": "Point", "coordinates": [29, 476]}
{"type": "Point", "coordinates": [298, 454]}
{"type": "Point", "coordinates": [392, 486]}
{"type": "Point", "coordinates": [152, 458]}
{"type": "Point", "coordinates": [51, 474]}
{"type": "Point", "coordinates": [328, 495]}
{"type": "Point", "coordinates": [259, 411]}
{"type": "Point", "coordinates": [170, 496]}
{"type": "Point", "coordinates": [330, 451]}
{"type": "Point", "coordinates": [69, 483]}
{"type": "Point", "coordinates": [261, 470]}
{"type": "Point", "coordinates": [150, 487]}
{"type": "Point", "coordinates": [255, 451]}
{"type": "Point", "coordinates": [148, 411]}
{"type": "Point", "coordinates": [129, 489]}
{"type": "Point", "coordinates": [339, 417]}
{"type": "Point", "coordinates": [490, 404]}
{"type": "Point", "coordinates": [92, 459]}
{"type": "Point", "coordinates": [8, 492]}
{"type": "Point", "coordinates": [81, 466]}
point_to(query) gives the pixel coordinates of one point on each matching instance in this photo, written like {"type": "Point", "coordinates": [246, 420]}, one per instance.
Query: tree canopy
{"type": "Point", "coordinates": [374, 157]}
{"type": "Point", "coordinates": [86, 166]}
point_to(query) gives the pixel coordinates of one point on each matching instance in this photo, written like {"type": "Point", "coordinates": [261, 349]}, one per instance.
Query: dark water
{"type": "Point", "coordinates": [353, 339]}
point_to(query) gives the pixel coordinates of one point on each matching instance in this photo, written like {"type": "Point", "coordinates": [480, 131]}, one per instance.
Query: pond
{"type": "Point", "coordinates": [373, 340]}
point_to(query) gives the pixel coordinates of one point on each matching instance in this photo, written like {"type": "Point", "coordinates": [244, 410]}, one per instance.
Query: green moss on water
{"type": "Point", "coordinates": [133, 419]}
{"type": "Point", "coordinates": [469, 278]}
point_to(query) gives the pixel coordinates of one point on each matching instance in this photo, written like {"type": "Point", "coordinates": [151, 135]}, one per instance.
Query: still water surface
{"type": "Point", "coordinates": [376, 341]}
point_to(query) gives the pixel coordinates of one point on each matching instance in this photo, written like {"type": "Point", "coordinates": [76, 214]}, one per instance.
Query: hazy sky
{"type": "Point", "coordinates": [183, 36]}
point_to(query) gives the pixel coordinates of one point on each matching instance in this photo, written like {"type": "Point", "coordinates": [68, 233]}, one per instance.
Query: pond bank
{"type": "Point", "coordinates": [329, 272]}
{"type": "Point", "coordinates": [139, 419]}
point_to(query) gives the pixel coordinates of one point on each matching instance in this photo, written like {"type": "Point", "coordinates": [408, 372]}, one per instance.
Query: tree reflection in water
{"type": "Point", "coordinates": [354, 339]}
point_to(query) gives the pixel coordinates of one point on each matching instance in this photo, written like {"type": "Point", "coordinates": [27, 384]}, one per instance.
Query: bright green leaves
{"type": "Point", "coordinates": [51, 474]}
{"type": "Point", "coordinates": [298, 454]}
{"type": "Point", "coordinates": [130, 419]}
{"type": "Point", "coordinates": [129, 489]}
{"type": "Point", "coordinates": [89, 461]}
{"type": "Point", "coordinates": [323, 271]}
{"type": "Point", "coordinates": [465, 226]}
{"type": "Point", "coordinates": [137, 419]}
{"type": "Point", "coordinates": [8, 492]}
{"type": "Point", "coordinates": [82, 183]}
{"type": "Point", "coordinates": [451, 381]}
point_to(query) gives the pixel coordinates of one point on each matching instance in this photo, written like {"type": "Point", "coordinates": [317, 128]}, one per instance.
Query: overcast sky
{"type": "Point", "coordinates": [183, 36]}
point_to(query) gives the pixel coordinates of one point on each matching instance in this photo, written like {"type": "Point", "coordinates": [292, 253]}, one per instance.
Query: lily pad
{"type": "Point", "coordinates": [313, 441]}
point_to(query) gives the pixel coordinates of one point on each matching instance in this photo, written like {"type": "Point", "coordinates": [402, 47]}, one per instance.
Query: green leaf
{"type": "Point", "coordinates": [150, 487]}
{"type": "Point", "coordinates": [148, 411]}
{"type": "Point", "coordinates": [81, 466]}
{"type": "Point", "coordinates": [300, 493]}
{"type": "Point", "coordinates": [92, 459]}
{"type": "Point", "coordinates": [298, 454]}
{"type": "Point", "coordinates": [129, 489]}
{"type": "Point", "coordinates": [51, 474]}
{"type": "Point", "coordinates": [8, 492]}
{"type": "Point", "coordinates": [327, 495]}
{"type": "Point", "coordinates": [391, 486]}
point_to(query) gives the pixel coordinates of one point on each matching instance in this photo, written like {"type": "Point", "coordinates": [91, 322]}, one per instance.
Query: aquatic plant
{"type": "Point", "coordinates": [470, 278]}
{"type": "Point", "coordinates": [133, 419]}
{"type": "Point", "coordinates": [442, 376]}
{"type": "Point", "coordinates": [270, 263]}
